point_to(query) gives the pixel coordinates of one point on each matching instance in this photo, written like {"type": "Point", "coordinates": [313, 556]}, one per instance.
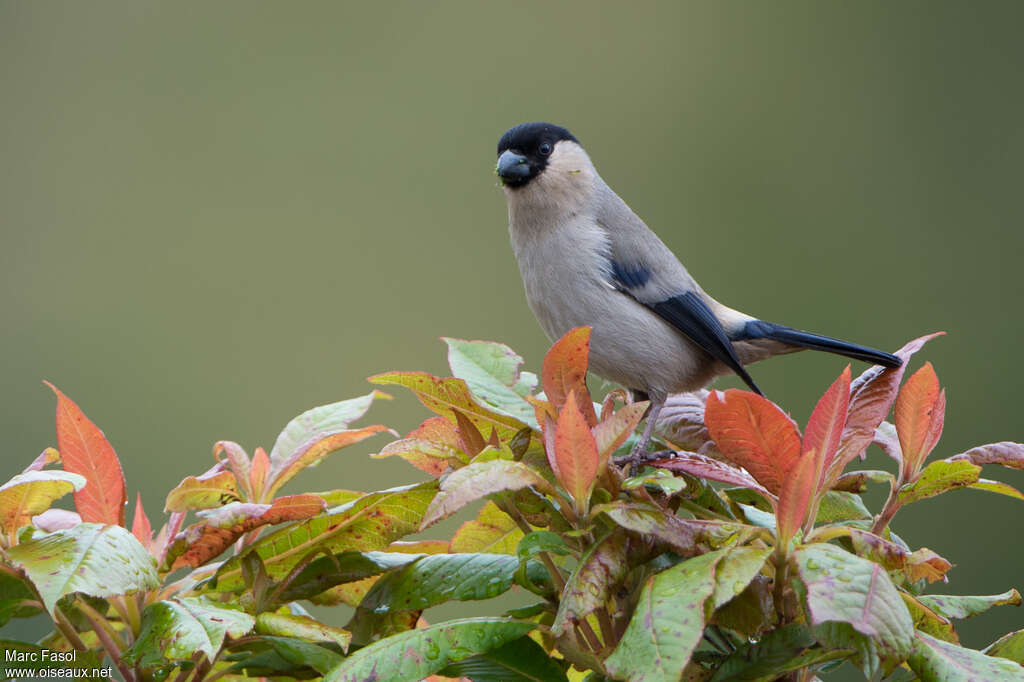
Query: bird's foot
{"type": "Point", "coordinates": [636, 458]}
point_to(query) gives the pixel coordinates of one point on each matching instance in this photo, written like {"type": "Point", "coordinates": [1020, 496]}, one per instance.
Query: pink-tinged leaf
{"type": "Point", "coordinates": [918, 414]}
{"type": "Point", "coordinates": [826, 424]}
{"type": "Point", "coordinates": [871, 396]}
{"type": "Point", "coordinates": [923, 563]}
{"type": "Point", "coordinates": [752, 432]}
{"type": "Point", "coordinates": [310, 453]}
{"type": "Point", "coordinates": [85, 451]}
{"type": "Point", "coordinates": [576, 454]}
{"type": "Point", "coordinates": [433, 447]}
{"type": "Point", "coordinates": [712, 469]}
{"type": "Point", "coordinates": [686, 537]}
{"type": "Point", "coordinates": [46, 458]}
{"type": "Point", "coordinates": [612, 431]}
{"type": "Point", "coordinates": [603, 566]}
{"type": "Point", "coordinates": [443, 396]}
{"type": "Point", "coordinates": [1006, 453]}
{"type": "Point", "coordinates": [214, 488]}
{"type": "Point", "coordinates": [564, 372]}
{"type": "Point", "coordinates": [888, 441]}
{"type": "Point", "coordinates": [141, 528]}
{"type": "Point", "coordinates": [258, 471]}
{"type": "Point", "coordinates": [237, 461]}
{"type": "Point", "coordinates": [795, 496]}
{"type": "Point", "coordinates": [56, 519]}
{"type": "Point", "coordinates": [478, 480]}
{"type": "Point", "coordinates": [219, 528]}
{"type": "Point", "coordinates": [681, 421]}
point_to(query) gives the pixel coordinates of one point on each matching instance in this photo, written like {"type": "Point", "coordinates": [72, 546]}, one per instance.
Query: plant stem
{"type": "Point", "coordinates": [701, 512]}
{"type": "Point", "coordinates": [107, 642]}
{"type": "Point", "coordinates": [68, 630]}
{"type": "Point", "coordinates": [892, 505]}
{"type": "Point", "coordinates": [779, 587]}
{"type": "Point", "coordinates": [556, 575]}
{"type": "Point", "coordinates": [590, 635]}
{"type": "Point", "coordinates": [97, 619]}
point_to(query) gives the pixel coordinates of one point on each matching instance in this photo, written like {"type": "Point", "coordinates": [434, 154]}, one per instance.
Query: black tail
{"type": "Point", "coordinates": [769, 330]}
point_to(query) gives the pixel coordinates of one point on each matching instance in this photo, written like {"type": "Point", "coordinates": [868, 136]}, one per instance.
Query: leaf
{"type": "Point", "coordinates": [782, 650]}
{"type": "Point", "coordinates": [367, 524]}
{"type": "Point", "coordinates": [613, 431]}
{"type": "Point", "coordinates": [575, 457]}
{"type": "Point", "coordinates": [889, 441]}
{"type": "Point", "coordinates": [997, 487]}
{"type": "Point", "coordinates": [56, 519]}
{"type": "Point", "coordinates": [85, 451]}
{"type": "Point", "coordinates": [837, 506]}
{"type": "Point", "coordinates": [443, 396]}
{"type": "Point", "coordinates": [141, 528]}
{"type": "Point", "coordinates": [32, 493]}
{"type": "Point", "coordinates": [521, 660]}
{"type": "Point", "coordinates": [538, 541]}
{"type": "Point", "coordinates": [684, 536]}
{"type": "Point", "coordinates": [327, 572]}
{"type": "Point", "coordinates": [491, 371]}
{"type": "Point", "coordinates": [601, 567]}
{"type": "Point", "coordinates": [475, 481]}
{"type": "Point", "coordinates": [311, 452]}
{"type": "Point", "coordinates": [318, 423]}
{"type": "Point", "coordinates": [826, 424]}
{"type": "Point", "coordinates": [933, 659]}
{"type": "Point", "coordinates": [564, 372]}
{"type": "Point", "coordinates": [237, 461]}
{"type": "Point", "coordinates": [432, 448]}
{"type": "Point", "coordinates": [438, 578]}
{"type": "Point", "coordinates": [1010, 645]}
{"type": "Point", "coordinates": [668, 622]}
{"type": "Point", "coordinates": [956, 606]}
{"type": "Point", "coordinates": [871, 396]}
{"type": "Point", "coordinates": [919, 413]}
{"type": "Point", "coordinates": [17, 599]}
{"type": "Point", "coordinates": [681, 421]}
{"type": "Point", "coordinates": [753, 433]}
{"type": "Point", "coordinates": [301, 627]}
{"type": "Point", "coordinates": [96, 559]}
{"type": "Point", "coordinates": [712, 469]}
{"type": "Point", "coordinates": [795, 496]}
{"type": "Point", "coordinates": [46, 457]}
{"type": "Point", "coordinates": [844, 589]}
{"type": "Point", "coordinates": [175, 630]}
{"type": "Point", "coordinates": [492, 531]}
{"type": "Point", "coordinates": [736, 571]}
{"type": "Point", "coordinates": [928, 621]}
{"type": "Point", "coordinates": [212, 489]}
{"type": "Point", "coordinates": [222, 526]}
{"type": "Point", "coordinates": [857, 481]}
{"type": "Point", "coordinates": [921, 564]}
{"type": "Point", "coordinates": [303, 655]}
{"type": "Point", "coordinates": [412, 655]}
{"type": "Point", "coordinates": [1006, 453]}
{"type": "Point", "coordinates": [258, 471]}
{"type": "Point", "coordinates": [939, 477]}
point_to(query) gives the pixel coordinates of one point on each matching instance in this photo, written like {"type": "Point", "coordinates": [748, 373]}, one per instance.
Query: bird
{"type": "Point", "coordinates": [587, 259]}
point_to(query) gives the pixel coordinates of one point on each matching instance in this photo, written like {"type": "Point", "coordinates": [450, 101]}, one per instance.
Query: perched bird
{"type": "Point", "coordinates": [587, 259]}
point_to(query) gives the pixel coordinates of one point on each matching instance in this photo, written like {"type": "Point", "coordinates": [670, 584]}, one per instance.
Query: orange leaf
{"type": "Point", "coordinates": [752, 432]}
{"type": "Point", "coordinates": [919, 413]}
{"type": "Point", "coordinates": [576, 454]}
{"type": "Point", "coordinates": [470, 439]}
{"type": "Point", "coordinates": [258, 473]}
{"type": "Point", "coordinates": [85, 451]}
{"type": "Point", "coordinates": [827, 422]}
{"type": "Point", "coordinates": [613, 430]}
{"type": "Point", "coordinates": [795, 496]}
{"type": "Point", "coordinates": [564, 372]}
{"type": "Point", "coordinates": [141, 529]}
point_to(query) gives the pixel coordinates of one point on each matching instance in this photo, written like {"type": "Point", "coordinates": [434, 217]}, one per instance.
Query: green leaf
{"type": "Point", "coordinates": [369, 523]}
{"type": "Point", "coordinates": [540, 541]}
{"type": "Point", "coordinates": [32, 493]}
{"type": "Point", "coordinates": [491, 371]}
{"type": "Point", "coordinates": [668, 622]}
{"type": "Point", "coordinates": [521, 660]}
{"type": "Point", "coordinates": [601, 567]}
{"type": "Point", "coordinates": [954, 606]}
{"type": "Point", "coordinates": [174, 630]}
{"type": "Point", "coordinates": [301, 627]}
{"type": "Point", "coordinates": [14, 595]}
{"type": "Point", "coordinates": [212, 489]}
{"type": "Point", "coordinates": [301, 654]}
{"type": "Point", "coordinates": [94, 558]}
{"type": "Point", "coordinates": [475, 481]}
{"type": "Point", "coordinates": [326, 572]}
{"type": "Point", "coordinates": [411, 656]}
{"type": "Point", "coordinates": [735, 571]}
{"type": "Point", "coordinates": [682, 535]}
{"type": "Point", "coordinates": [439, 578]}
{"type": "Point", "coordinates": [933, 659]}
{"type": "Point", "coordinates": [858, 603]}
{"type": "Point", "coordinates": [837, 506]}
{"type": "Point", "coordinates": [997, 487]}
{"type": "Point", "coordinates": [928, 621]}
{"type": "Point", "coordinates": [785, 649]}
{"type": "Point", "coordinates": [938, 477]}
{"type": "Point", "coordinates": [1010, 645]}
{"type": "Point", "coordinates": [492, 531]}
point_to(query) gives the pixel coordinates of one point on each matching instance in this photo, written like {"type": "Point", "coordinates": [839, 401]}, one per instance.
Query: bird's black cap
{"type": "Point", "coordinates": [527, 137]}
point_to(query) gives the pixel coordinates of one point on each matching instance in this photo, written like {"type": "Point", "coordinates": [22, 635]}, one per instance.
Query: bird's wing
{"type": "Point", "coordinates": [641, 266]}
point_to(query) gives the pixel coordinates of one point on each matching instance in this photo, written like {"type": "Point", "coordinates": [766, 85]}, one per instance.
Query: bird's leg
{"type": "Point", "coordinates": [639, 452]}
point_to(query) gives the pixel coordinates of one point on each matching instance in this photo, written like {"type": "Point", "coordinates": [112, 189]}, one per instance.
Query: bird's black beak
{"type": "Point", "coordinates": [513, 168]}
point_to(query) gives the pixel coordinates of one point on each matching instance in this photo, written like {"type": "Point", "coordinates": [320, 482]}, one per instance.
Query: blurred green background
{"type": "Point", "coordinates": [214, 216]}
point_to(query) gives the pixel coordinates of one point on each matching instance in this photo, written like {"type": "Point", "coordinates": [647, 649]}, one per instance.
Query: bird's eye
{"type": "Point", "coordinates": [544, 149]}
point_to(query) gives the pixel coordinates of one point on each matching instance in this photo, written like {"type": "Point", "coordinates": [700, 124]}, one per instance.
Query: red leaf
{"type": "Point", "coordinates": [825, 426]}
{"type": "Point", "coordinates": [85, 450]}
{"type": "Point", "coordinates": [795, 497]}
{"type": "Point", "coordinates": [258, 472]}
{"type": "Point", "coordinates": [752, 432]}
{"type": "Point", "coordinates": [712, 469]}
{"type": "Point", "coordinates": [919, 413]}
{"type": "Point", "coordinates": [141, 529]}
{"type": "Point", "coordinates": [565, 372]}
{"type": "Point", "coordinates": [871, 396]}
{"type": "Point", "coordinates": [576, 453]}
